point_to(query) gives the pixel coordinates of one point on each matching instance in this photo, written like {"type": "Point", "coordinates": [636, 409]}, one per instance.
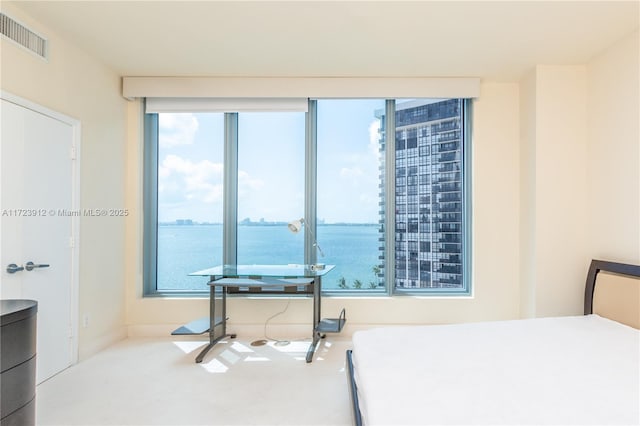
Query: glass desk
{"type": "Point", "coordinates": [264, 279]}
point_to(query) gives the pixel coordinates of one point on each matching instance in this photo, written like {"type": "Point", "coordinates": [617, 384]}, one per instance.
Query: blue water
{"type": "Point", "coordinates": [184, 249]}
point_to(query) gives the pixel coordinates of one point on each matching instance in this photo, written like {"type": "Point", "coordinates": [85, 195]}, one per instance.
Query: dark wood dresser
{"type": "Point", "coordinates": [18, 362]}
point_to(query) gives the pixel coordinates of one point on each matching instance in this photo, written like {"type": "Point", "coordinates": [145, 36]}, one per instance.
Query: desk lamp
{"type": "Point", "coordinates": [295, 226]}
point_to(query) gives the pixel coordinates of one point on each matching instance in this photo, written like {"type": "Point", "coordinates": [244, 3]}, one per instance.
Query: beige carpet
{"type": "Point", "coordinates": [155, 381]}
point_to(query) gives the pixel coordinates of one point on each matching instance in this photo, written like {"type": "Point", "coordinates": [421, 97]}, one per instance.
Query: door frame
{"type": "Point", "coordinates": [75, 206]}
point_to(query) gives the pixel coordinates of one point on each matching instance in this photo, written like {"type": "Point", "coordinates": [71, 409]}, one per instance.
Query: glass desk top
{"type": "Point", "coordinates": [279, 271]}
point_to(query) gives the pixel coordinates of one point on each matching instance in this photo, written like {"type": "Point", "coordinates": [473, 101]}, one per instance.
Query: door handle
{"type": "Point", "coordinates": [30, 266]}
{"type": "Point", "coordinates": [13, 268]}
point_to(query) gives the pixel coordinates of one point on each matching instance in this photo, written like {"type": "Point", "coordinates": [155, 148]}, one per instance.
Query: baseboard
{"type": "Point", "coordinates": [273, 331]}
{"type": "Point", "coordinates": [97, 344]}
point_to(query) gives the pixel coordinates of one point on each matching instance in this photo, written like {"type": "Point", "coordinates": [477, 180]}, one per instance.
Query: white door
{"type": "Point", "coordinates": [38, 226]}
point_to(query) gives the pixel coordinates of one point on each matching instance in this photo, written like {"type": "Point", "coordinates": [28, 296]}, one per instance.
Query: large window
{"type": "Point", "coordinates": [382, 185]}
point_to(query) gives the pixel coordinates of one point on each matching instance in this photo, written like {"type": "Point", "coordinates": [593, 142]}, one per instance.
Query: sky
{"type": "Point", "coordinates": [271, 164]}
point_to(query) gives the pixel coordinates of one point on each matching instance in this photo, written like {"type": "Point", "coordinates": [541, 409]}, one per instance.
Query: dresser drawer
{"type": "Point", "coordinates": [18, 387]}
{"type": "Point", "coordinates": [18, 342]}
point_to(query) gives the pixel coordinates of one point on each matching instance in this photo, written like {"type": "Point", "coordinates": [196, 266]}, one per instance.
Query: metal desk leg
{"type": "Point", "coordinates": [206, 349]}
{"type": "Point", "coordinates": [212, 322]}
{"type": "Point", "coordinates": [317, 296]}
{"type": "Point", "coordinates": [312, 347]}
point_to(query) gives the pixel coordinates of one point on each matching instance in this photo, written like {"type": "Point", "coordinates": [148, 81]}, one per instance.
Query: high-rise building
{"type": "Point", "coordinates": [428, 194]}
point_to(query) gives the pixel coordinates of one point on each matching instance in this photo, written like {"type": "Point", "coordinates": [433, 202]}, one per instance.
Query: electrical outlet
{"type": "Point", "coordinates": [85, 320]}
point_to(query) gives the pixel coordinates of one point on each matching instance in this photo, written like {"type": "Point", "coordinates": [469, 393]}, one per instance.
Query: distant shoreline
{"type": "Point", "coordinates": [262, 224]}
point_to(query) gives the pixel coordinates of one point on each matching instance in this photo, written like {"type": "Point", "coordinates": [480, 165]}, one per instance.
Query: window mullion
{"type": "Point", "coordinates": [466, 191]}
{"type": "Point", "coordinates": [150, 204]}
{"type": "Point", "coordinates": [311, 187]}
{"type": "Point", "coordinates": [230, 190]}
{"type": "Point", "coordinates": [390, 194]}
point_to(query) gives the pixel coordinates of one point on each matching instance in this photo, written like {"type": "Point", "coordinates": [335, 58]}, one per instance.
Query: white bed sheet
{"type": "Point", "coordinates": [563, 371]}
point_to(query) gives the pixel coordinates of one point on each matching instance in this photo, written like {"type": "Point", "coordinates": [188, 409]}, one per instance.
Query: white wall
{"type": "Point", "coordinates": [553, 191]}
{"type": "Point", "coordinates": [580, 175]}
{"type": "Point", "coordinates": [77, 85]}
{"type": "Point", "coordinates": [527, 240]}
{"type": "Point", "coordinates": [561, 200]}
{"type": "Point", "coordinates": [614, 152]}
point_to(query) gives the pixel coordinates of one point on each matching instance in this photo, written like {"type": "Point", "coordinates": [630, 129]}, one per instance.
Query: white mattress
{"type": "Point", "coordinates": [565, 371]}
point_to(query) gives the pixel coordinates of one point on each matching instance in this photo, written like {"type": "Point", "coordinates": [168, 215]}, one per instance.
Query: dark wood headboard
{"type": "Point", "coordinates": [618, 291]}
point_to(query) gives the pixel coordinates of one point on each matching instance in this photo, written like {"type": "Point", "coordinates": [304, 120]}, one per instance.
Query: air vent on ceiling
{"type": "Point", "coordinates": [22, 35]}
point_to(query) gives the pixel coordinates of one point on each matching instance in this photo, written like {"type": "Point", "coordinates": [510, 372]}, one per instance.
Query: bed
{"type": "Point", "coordinates": [574, 370]}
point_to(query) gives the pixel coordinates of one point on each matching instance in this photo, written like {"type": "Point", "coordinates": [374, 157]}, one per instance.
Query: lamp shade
{"type": "Point", "coordinates": [295, 225]}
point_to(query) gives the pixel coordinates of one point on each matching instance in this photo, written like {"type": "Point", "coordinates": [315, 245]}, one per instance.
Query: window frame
{"type": "Point", "coordinates": [466, 223]}
{"type": "Point", "coordinates": [230, 206]}
{"type": "Point", "coordinates": [150, 206]}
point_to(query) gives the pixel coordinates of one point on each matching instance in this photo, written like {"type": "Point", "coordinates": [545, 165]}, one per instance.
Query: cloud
{"type": "Point", "coordinates": [247, 184]}
{"type": "Point", "coordinates": [194, 189]}
{"type": "Point", "coordinates": [180, 179]}
{"type": "Point", "coordinates": [374, 138]}
{"type": "Point", "coordinates": [369, 199]}
{"type": "Point", "coordinates": [177, 129]}
{"type": "Point", "coordinates": [351, 172]}
{"type": "Point", "coordinates": [363, 166]}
